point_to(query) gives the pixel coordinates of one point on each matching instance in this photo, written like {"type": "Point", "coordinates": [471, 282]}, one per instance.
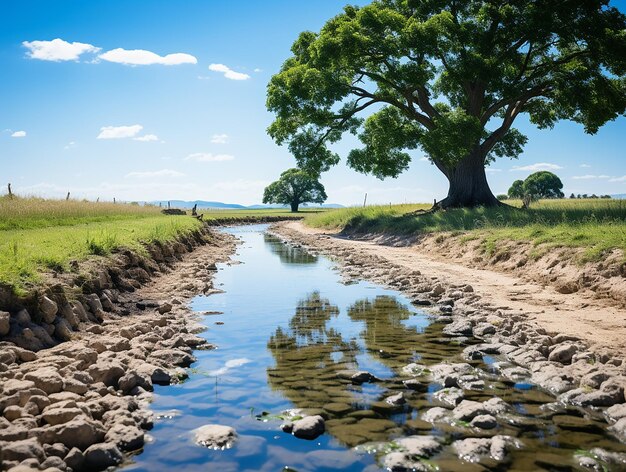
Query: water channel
{"type": "Point", "coordinates": [285, 325]}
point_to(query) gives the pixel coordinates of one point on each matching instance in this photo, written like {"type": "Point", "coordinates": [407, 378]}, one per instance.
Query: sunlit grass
{"type": "Point", "coordinates": [596, 225]}
{"type": "Point", "coordinates": [40, 235]}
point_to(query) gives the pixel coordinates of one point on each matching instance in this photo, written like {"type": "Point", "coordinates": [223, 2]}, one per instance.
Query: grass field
{"type": "Point", "coordinates": [596, 225]}
{"type": "Point", "coordinates": [38, 235]}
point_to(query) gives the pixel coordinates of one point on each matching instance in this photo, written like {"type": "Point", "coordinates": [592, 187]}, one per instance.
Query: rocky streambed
{"type": "Point", "coordinates": [76, 375]}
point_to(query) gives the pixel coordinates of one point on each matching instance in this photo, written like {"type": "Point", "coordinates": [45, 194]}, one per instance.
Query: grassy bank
{"type": "Point", "coordinates": [596, 225]}
{"type": "Point", "coordinates": [38, 235]}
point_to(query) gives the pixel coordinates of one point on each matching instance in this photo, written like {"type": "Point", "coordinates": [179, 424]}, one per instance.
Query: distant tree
{"type": "Point", "coordinates": [517, 189]}
{"type": "Point", "coordinates": [293, 188]}
{"type": "Point", "coordinates": [572, 196]}
{"type": "Point", "coordinates": [543, 184]}
{"type": "Point", "coordinates": [502, 196]}
{"type": "Point", "coordinates": [448, 77]}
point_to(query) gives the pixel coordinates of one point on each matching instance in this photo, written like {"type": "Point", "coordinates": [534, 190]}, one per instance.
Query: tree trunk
{"type": "Point", "coordinates": [468, 185]}
{"type": "Point", "coordinates": [294, 207]}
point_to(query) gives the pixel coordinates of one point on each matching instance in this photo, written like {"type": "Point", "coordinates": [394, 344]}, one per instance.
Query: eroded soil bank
{"type": "Point", "coordinates": [82, 404]}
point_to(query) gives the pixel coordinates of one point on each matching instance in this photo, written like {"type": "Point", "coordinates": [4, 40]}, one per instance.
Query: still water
{"type": "Point", "coordinates": [285, 325]}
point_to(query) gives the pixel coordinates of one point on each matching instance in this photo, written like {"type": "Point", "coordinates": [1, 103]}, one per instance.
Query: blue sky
{"type": "Point", "coordinates": [190, 122]}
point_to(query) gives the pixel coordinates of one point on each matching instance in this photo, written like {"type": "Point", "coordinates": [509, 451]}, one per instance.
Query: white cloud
{"type": "Point", "coordinates": [618, 179]}
{"type": "Point", "coordinates": [119, 132]}
{"type": "Point", "coordinates": [585, 166]}
{"type": "Point", "coordinates": [228, 72]}
{"type": "Point", "coordinates": [257, 70]}
{"type": "Point", "coordinates": [157, 173]}
{"type": "Point", "coordinates": [424, 159]}
{"type": "Point", "coordinates": [219, 139]}
{"type": "Point", "coordinates": [70, 145]}
{"type": "Point", "coordinates": [590, 177]}
{"type": "Point", "coordinates": [147, 137]}
{"type": "Point", "coordinates": [141, 57]}
{"type": "Point", "coordinates": [18, 134]}
{"type": "Point", "coordinates": [57, 50]}
{"type": "Point", "coordinates": [492, 170]}
{"type": "Point", "coordinates": [208, 157]}
{"type": "Point", "coordinates": [537, 167]}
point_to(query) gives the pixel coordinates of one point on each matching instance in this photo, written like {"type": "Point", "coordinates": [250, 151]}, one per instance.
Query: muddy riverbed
{"type": "Point", "coordinates": [394, 386]}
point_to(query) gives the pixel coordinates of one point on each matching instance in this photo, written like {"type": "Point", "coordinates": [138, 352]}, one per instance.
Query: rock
{"type": "Point", "coordinates": [563, 353]}
{"type": "Point", "coordinates": [397, 399]}
{"type": "Point", "coordinates": [475, 449]}
{"type": "Point", "coordinates": [484, 329]}
{"type": "Point", "coordinates": [173, 357]}
{"type": "Point", "coordinates": [22, 450]}
{"type": "Point", "coordinates": [619, 429]}
{"type": "Point", "coordinates": [215, 436]}
{"type": "Point", "coordinates": [54, 416]}
{"type": "Point", "coordinates": [496, 406]}
{"type": "Point", "coordinates": [62, 330]}
{"type": "Point", "coordinates": [450, 396]}
{"type": "Point", "coordinates": [132, 379]}
{"type": "Point", "coordinates": [448, 374]}
{"type": "Point", "coordinates": [53, 463]}
{"type": "Point", "coordinates": [459, 327]}
{"type": "Point", "coordinates": [13, 386]}
{"type": "Point", "coordinates": [23, 317]}
{"type": "Point", "coordinates": [126, 437]}
{"type": "Point", "coordinates": [107, 372]}
{"type": "Point", "coordinates": [48, 309]}
{"type": "Point", "coordinates": [57, 450]}
{"type": "Point", "coordinates": [356, 377]}
{"type": "Point", "coordinates": [75, 459]}
{"type": "Point", "coordinates": [165, 308]}
{"type": "Point", "coordinates": [484, 422]}
{"type": "Point", "coordinates": [436, 415]}
{"type": "Point", "coordinates": [414, 448]}
{"type": "Point", "coordinates": [79, 432]}
{"type": "Point", "coordinates": [5, 325]}
{"type": "Point", "coordinates": [309, 427]}
{"type": "Point", "coordinates": [13, 412]}
{"type": "Point", "coordinates": [467, 410]}
{"type": "Point", "coordinates": [616, 412]}
{"type": "Point", "coordinates": [101, 456]}
{"type": "Point", "coordinates": [46, 379]}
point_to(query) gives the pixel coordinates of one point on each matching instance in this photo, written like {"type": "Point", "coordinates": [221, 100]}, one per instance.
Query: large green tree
{"type": "Point", "coordinates": [543, 184]}
{"type": "Point", "coordinates": [293, 188]}
{"type": "Point", "coordinates": [448, 77]}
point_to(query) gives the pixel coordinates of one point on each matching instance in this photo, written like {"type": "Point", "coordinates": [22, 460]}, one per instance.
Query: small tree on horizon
{"type": "Point", "coordinates": [517, 189]}
{"type": "Point", "coordinates": [543, 184]}
{"type": "Point", "coordinates": [293, 188]}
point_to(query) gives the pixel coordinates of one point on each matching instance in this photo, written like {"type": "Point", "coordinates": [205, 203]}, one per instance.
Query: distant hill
{"type": "Point", "coordinates": [228, 206]}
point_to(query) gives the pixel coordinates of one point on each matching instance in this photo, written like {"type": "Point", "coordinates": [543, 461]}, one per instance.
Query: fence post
{"type": "Point", "coordinates": [68, 196]}
{"type": "Point", "coordinates": [10, 192]}
{"type": "Point", "coordinates": [365, 200]}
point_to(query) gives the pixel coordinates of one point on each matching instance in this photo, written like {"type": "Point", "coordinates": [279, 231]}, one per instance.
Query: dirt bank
{"type": "Point", "coordinates": [525, 290]}
{"type": "Point", "coordinates": [82, 404]}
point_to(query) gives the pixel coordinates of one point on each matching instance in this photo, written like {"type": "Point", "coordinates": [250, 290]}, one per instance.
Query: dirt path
{"type": "Point", "coordinates": [595, 321]}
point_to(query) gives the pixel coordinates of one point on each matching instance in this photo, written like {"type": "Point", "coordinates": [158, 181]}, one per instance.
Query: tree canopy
{"type": "Point", "coordinates": [293, 188]}
{"type": "Point", "coordinates": [448, 77]}
{"type": "Point", "coordinates": [517, 189]}
{"type": "Point", "coordinates": [543, 184]}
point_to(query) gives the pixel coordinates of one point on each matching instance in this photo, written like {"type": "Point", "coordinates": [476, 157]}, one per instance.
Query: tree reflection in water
{"type": "Point", "coordinates": [287, 253]}
{"type": "Point", "coordinates": [310, 354]}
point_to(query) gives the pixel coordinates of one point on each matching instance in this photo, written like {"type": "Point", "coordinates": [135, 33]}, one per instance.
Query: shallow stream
{"type": "Point", "coordinates": [285, 325]}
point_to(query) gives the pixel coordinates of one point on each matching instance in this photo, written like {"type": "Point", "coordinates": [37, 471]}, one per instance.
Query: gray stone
{"type": "Point", "coordinates": [436, 415]}
{"type": "Point", "coordinates": [54, 416]}
{"type": "Point", "coordinates": [356, 377]}
{"type": "Point", "coordinates": [101, 456]}
{"type": "Point", "coordinates": [450, 396]}
{"type": "Point", "coordinates": [75, 459]}
{"type": "Point", "coordinates": [107, 372]}
{"type": "Point", "coordinates": [126, 437]}
{"type": "Point", "coordinates": [484, 329]}
{"type": "Point", "coordinates": [48, 309]}
{"type": "Point", "coordinates": [309, 427]}
{"type": "Point", "coordinates": [616, 412]}
{"type": "Point", "coordinates": [397, 399]}
{"type": "Point", "coordinates": [467, 410]}
{"type": "Point", "coordinates": [215, 436]}
{"type": "Point", "coordinates": [563, 353]}
{"type": "Point", "coordinates": [46, 379]}
{"type": "Point", "coordinates": [459, 327]}
{"type": "Point", "coordinates": [619, 429]}
{"type": "Point", "coordinates": [165, 308]}
{"type": "Point", "coordinates": [22, 450]}
{"type": "Point", "coordinates": [484, 422]}
{"type": "Point", "coordinates": [414, 449]}
{"type": "Point", "coordinates": [79, 432]}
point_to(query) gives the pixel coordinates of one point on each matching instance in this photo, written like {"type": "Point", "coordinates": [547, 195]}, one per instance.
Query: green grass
{"type": "Point", "coordinates": [596, 225]}
{"type": "Point", "coordinates": [37, 235]}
